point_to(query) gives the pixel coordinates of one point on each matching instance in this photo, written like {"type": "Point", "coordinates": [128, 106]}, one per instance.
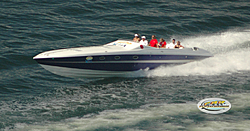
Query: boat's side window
{"type": "Point", "coordinates": [117, 57]}
{"type": "Point", "coordinates": [135, 57]}
{"type": "Point", "coordinates": [102, 58]}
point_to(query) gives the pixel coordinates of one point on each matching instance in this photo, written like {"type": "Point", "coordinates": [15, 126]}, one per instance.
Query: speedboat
{"type": "Point", "coordinates": [114, 59]}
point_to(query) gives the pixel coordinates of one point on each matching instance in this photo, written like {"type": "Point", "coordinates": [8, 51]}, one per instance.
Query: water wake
{"type": "Point", "coordinates": [152, 115]}
{"type": "Point", "coordinates": [231, 54]}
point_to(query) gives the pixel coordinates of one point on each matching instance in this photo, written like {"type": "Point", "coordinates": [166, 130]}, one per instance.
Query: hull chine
{"type": "Point", "coordinates": [85, 73]}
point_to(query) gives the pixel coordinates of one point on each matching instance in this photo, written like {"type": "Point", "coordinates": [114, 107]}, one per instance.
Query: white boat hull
{"type": "Point", "coordinates": [85, 73]}
{"type": "Point", "coordinates": [116, 59]}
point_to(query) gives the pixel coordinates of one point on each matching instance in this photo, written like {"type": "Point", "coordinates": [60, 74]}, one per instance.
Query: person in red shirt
{"type": "Point", "coordinates": [162, 43]}
{"type": "Point", "coordinates": [153, 42]}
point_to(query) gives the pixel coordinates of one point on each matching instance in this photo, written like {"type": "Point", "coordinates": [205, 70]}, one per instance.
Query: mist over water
{"type": "Point", "coordinates": [165, 98]}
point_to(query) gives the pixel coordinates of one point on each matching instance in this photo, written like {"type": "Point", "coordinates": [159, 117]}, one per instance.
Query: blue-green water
{"type": "Point", "coordinates": [32, 98]}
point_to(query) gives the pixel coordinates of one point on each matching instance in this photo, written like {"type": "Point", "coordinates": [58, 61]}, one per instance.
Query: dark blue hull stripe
{"type": "Point", "coordinates": [125, 63]}
{"type": "Point", "coordinates": [111, 66]}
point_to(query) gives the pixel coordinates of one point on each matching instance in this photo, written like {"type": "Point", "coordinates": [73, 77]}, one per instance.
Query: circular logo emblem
{"type": "Point", "coordinates": [214, 105]}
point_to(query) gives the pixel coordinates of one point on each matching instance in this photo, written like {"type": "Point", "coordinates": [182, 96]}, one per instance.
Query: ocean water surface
{"type": "Point", "coordinates": [166, 98]}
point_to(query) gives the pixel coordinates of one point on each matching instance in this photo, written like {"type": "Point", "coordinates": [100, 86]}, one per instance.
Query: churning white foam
{"type": "Point", "coordinates": [216, 42]}
{"type": "Point", "coordinates": [222, 63]}
{"type": "Point", "coordinates": [231, 54]}
{"type": "Point", "coordinates": [128, 118]}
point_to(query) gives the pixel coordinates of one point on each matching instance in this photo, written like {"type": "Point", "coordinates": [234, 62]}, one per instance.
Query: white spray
{"type": "Point", "coordinates": [231, 54]}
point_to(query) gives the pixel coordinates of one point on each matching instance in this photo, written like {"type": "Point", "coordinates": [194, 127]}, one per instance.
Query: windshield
{"type": "Point", "coordinates": [124, 43]}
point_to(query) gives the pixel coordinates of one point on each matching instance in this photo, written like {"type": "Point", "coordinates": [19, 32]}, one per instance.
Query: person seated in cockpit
{"type": "Point", "coordinates": [178, 45]}
{"type": "Point", "coordinates": [144, 41]}
{"type": "Point", "coordinates": [153, 42]}
{"type": "Point", "coordinates": [171, 45]}
{"type": "Point", "coordinates": [162, 43]}
{"type": "Point", "coordinates": [136, 38]}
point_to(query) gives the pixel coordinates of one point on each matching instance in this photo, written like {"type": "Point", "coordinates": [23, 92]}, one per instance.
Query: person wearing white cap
{"type": "Point", "coordinates": [144, 41]}
{"type": "Point", "coordinates": [136, 38]}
